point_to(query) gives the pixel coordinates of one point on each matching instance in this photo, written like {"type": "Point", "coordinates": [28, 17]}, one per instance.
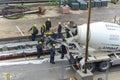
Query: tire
{"type": "Point", "coordinates": [103, 66]}
{"type": "Point", "coordinates": [91, 67]}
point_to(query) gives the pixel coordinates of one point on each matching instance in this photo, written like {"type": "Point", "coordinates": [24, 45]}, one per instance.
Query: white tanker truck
{"type": "Point", "coordinates": [104, 45]}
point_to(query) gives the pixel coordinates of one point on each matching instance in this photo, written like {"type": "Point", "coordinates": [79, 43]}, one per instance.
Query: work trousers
{"type": "Point", "coordinates": [33, 37]}
{"type": "Point", "coordinates": [52, 55]}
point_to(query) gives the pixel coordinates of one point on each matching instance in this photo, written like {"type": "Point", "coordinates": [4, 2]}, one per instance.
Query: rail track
{"type": "Point", "coordinates": [19, 47]}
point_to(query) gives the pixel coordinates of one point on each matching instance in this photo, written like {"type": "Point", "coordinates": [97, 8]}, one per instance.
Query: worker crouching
{"type": "Point", "coordinates": [39, 49]}
{"type": "Point", "coordinates": [52, 53]}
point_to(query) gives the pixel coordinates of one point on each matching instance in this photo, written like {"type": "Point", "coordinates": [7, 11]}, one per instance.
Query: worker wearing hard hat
{"type": "Point", "coordinates": [48, 24]}
{"type": "Point", "coordinates": [43, 29]}
{"type": "Point", "coordinates": [50, 41]}
{"type": "Point", "coordinates": [52, 53]}
{"type": "Point", "coordinates": [59, 30]}
{"type": "Point", "coordinates": [39, 49]}
{"type": "Point", "coordinates": [34, 31]}
{"type": "Point", "coordinates": [63, 51]}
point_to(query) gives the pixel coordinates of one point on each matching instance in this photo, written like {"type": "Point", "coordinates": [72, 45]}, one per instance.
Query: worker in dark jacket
{"type": "Point", "coordinates": [59, 29]}
{"type": "Point", "coordinates": [34, 31]}
{"type": "Point", "coordinates": [52, 53]}
{"type": "Point", "coordinates": [43, 29]}
{"type": "Point", "coordinates": [39, 49]}
{"type": "Point", "coordinates": [50, 40]}
{"type": "Point", "coordinates": [63, 49]}
{"type": "Point", "coordinates": [48, 24]}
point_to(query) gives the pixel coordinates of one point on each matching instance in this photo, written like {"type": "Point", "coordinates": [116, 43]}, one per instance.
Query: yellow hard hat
{"type": "Point", "coordinates": [44, 35]}
{"type": "Point", "coordinates": [65, 38]}
{"type": "Point", "coordinates": [54, 45]}
{"type": "Point", "coordinates": [35, 25]}
{"type": "Point", "coordinates": [48, 19]}
{"type": "Point", "coordinates": [59, 22]}
{"type": "Point", "coordinates": [68, 22]}
{"type": "Point", "coordinates": [40, 42]}
{"type": "Point", "coordinates": [48, 36]}
{"type": "Point", "coordinates": [44, 24]}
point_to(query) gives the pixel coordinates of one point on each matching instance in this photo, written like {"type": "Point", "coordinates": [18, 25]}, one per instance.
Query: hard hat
{"type": "Point", "coordinates": [59, 22]}
{"type": "Point", "coordinates": [44, 24]}
{"type": "Point", "coordinates": [48, 36]}
{"type": "Point", "coordinates": [40, 42]}
{"type": "Point", "coordinates": [44, 35]}
{"type": "Point", "coordinates": [54, 45]}
{"type": "Point", "coordinates": [68, 22]}
{"type": "Point", "coordinates": [65, 38]}
{"type": "Point", "coordinates": [48, 19]}
{"type": "Point", "coordinates": [35, 25]}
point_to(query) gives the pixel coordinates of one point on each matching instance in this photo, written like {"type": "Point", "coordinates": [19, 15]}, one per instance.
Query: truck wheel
{"type": "Point", "coordinates": [103, 66]}
{"type": "Point", "coordinates": [91, 67]}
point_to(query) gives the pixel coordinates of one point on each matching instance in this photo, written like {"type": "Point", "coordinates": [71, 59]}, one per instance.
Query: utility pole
{"type": "Point", "coordinates": [87, 36]}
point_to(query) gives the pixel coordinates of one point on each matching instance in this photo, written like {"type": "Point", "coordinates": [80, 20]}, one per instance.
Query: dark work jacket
{"type": "Point", "coordinates": [39, 48]}
{"type": "Point", "coordinates": [59, 28]}
{"type": "Point", "coordinates": [51, 41]}
{"type": "Point", "coordinates": [48, 24]}
{"type": "Point", "coordinates": [64, 49]}
{"type": "Point", "coordinates": [52, 51]}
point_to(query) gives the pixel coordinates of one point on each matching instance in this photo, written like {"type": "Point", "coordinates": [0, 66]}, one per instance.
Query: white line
{"type": "Point", "coordinates": [20, 31]}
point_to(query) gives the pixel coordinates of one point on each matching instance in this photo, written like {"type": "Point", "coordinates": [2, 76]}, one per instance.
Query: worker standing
{"type": "Point", "coordinates": [48, 24]}
{"type": "Point", "coordinates": [59, 29]}
{"type": "Point", "coordinates": [43, 29]}
{"type": "Point", "coordinates": [34, 31]}
{"type": "Point", "coordinates": [52, 53]}
{"type": "Point", "coordinates": [63, 49]}
{"type": "Point", "coordinates": [39, 49]}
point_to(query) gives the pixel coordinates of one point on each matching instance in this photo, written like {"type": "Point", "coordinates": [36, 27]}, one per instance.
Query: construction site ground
{"type": "Point", "coordinates": [8, 27]}
{"type": "Point", "coordinates": [59, 71]}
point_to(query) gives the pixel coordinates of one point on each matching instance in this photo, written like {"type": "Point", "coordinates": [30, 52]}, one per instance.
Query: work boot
{"type": "Point", "coordinates": [53, 62]}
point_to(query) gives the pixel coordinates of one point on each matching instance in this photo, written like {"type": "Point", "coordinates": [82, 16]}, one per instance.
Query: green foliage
{"type": "Point", "coordinates": [55, 3]}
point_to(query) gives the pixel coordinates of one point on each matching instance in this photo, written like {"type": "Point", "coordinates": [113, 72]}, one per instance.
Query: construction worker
{"type": "Point", "coordinates": [52, 53]}
{"type": "Point", "coordinates": [34, 31]}
{"type": "Point", "coordinates": [43, 29]}
{"type": "Point", "coordinates": [39, 49]}
{"type": "Point", "coordinates": [67, 32]}
{"type": "Point", "coordinates": [63, 49]}
{"type": "Point", "coordinates": [50, 40]}
{"type": "Point", "coordinates": [48, 24]}
{"type": "Point", "coordinates": [59, 29]}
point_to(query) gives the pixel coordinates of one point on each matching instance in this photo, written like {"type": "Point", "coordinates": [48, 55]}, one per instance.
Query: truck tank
{"type": "Point", "coordinates": [103, 36]}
